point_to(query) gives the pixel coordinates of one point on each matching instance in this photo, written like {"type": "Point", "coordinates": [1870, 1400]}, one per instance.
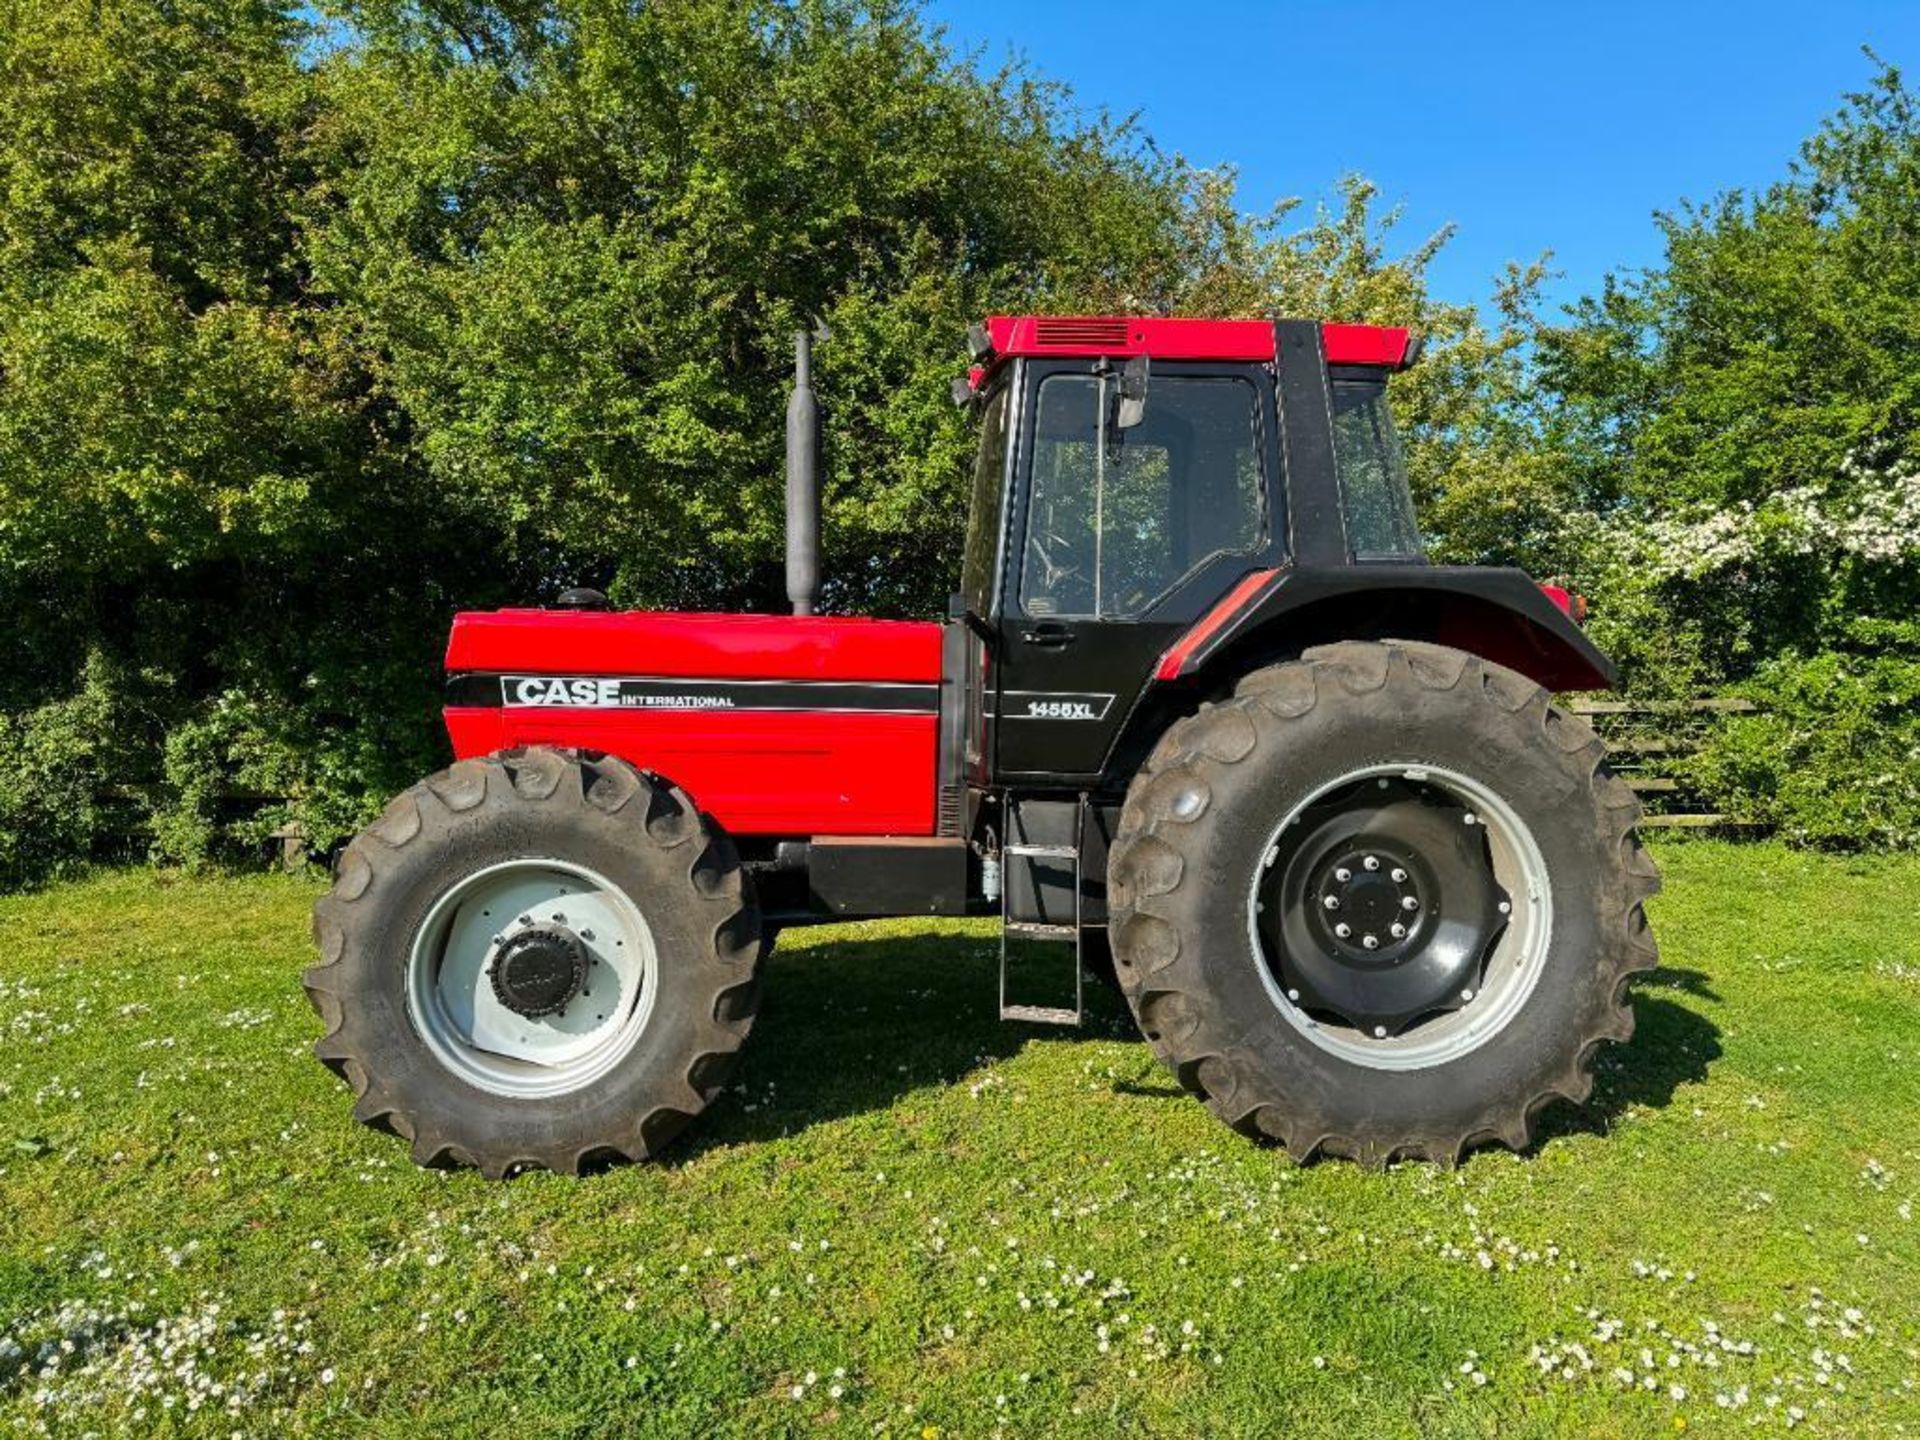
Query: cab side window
{"type": "Point", "coordinates": [983, 524]}
{"type": "Point", "coordinates": [1372, 473]}
{"type": "Point", "coordinates": [1116, 518]}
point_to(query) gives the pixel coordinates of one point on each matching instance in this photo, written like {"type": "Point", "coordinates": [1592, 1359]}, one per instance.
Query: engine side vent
{"type": "Point", "coordinates": [952, 810]}
{"type": "Point", "coordinates": [1079, 333]}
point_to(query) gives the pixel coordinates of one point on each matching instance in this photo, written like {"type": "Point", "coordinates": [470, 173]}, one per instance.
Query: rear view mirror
{"type": "Point", "coordinates": [1133, 394]}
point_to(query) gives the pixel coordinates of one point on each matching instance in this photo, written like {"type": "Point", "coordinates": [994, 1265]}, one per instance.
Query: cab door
{"type": "Point", "coordinates": [1120, 538]}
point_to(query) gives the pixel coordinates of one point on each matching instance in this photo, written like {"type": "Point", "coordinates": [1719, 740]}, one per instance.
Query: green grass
{"type": "Point", "coordinates": [989, 1230]}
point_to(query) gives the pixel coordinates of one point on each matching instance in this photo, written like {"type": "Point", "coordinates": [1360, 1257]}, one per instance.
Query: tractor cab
{"type": "Point", "coordinates": [1135, 474]}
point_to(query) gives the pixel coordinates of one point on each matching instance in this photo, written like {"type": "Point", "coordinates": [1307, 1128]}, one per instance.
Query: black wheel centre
{"type": "Point", "coordinates": [1378, 905]}
{"type": "Point", "coordinates": [539, 970]}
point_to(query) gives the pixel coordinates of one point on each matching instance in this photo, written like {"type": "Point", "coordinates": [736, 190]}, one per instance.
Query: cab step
{"type": "Point", "coordinates": [1041, 1014]}
{"type": "Point", "coordinates": [1037, 930]}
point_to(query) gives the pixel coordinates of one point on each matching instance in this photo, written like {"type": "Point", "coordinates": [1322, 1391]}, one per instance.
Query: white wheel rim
{"type": "Point", "coordinates": [451, 999]}
{"type": "Point", "coordinates": [1512, 970]}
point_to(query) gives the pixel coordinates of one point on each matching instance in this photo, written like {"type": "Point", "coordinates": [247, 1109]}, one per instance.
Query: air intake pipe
{"type": "Point", "coordinates": [803, 481]}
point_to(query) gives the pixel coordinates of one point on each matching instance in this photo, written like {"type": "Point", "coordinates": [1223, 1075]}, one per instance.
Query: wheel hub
{"type": "Point", "coordinates": [1370, 902]}
{"type": "Point", "coordinates": [1380, 906]}
{"type": "Point", "coordinates": [539, 971]}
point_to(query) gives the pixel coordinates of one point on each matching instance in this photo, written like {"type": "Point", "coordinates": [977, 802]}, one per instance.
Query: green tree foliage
{"type": "Point", "coordinates": [1741, 428]}
{"type": "Point", "coordinates": [200, 502]}
{"type": "Point", "coordinates": [318, 324]}
{"type": "Point", "coordinates": [1743, 418]}
{"type": "Point", "coordinates": [1833, 756]}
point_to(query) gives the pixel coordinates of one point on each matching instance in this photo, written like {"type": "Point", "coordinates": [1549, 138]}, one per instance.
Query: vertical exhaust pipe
{"type": "Point", "coordinates": [803, 481]}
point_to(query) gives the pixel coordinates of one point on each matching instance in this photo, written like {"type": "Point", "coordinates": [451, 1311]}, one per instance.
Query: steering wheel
{"type": "Point", "coordinates": [1045, 544]}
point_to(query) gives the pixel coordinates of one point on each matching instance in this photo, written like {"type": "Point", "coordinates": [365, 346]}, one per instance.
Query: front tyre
{"type": "Point", "coordinates": [536, 959]}
{"type": "Point", "coordinates": [1383, 902]}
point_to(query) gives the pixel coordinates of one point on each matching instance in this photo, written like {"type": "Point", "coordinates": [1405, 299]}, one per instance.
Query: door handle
{"type": "Point", "coordinates": [1051, 637]}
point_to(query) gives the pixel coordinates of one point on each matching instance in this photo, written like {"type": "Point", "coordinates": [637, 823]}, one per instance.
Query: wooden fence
{"type": "Point", "coordinates": [1644, 739]}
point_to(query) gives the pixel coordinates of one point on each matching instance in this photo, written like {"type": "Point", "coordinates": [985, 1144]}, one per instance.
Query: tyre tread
{"type": "Point", "coordinates": [1172, 790]}
{"type": "Point", "coordinates": [541, 775]}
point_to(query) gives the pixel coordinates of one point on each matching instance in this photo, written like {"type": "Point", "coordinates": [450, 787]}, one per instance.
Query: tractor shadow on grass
{"type": "Point", "coordinates": [852, 1026]}
{"type": "Point", "coordinates": [1672, 1045]}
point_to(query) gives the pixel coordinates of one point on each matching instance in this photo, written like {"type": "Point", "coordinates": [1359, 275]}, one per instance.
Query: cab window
{"type": "Point", "coordinates": [1373, 475]}
{"type": "Point", "coordinates": [983, 517]}
{"type": "Point", "coordinates": [1116, 518]}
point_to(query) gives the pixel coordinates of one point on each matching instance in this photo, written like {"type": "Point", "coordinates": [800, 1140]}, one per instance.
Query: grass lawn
{"type": "Point", "coordinates": [911, 1220]}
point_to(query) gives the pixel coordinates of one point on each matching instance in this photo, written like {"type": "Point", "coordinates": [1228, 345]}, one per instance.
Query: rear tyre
{"type": "Point", "coordinates": [1383, 902]}
{"type": "Point", "coordinates": [539, 959]}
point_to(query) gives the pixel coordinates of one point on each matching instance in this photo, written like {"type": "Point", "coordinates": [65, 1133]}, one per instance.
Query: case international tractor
{"type": "Point", "coordinates": [1203, 719]}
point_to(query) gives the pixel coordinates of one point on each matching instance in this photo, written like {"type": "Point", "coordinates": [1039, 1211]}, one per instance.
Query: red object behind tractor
{"type": "Point", "coordinates": [1203, 715]}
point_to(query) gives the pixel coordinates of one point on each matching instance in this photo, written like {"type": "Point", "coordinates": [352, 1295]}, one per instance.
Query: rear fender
{"type": "Point", "coordinates": [1498, 614]}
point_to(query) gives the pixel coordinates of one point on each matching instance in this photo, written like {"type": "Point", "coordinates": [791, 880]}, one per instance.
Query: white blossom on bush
{"type": "Point", "coordinates": [1870, 514]}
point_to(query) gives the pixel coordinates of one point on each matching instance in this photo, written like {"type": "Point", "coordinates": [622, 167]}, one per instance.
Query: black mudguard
{"type": "Point", "coordinates": [1499, 614]}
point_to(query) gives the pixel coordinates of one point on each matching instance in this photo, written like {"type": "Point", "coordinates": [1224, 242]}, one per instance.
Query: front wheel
{"type": "Point", "coordinates": [536, 959]}
{"type": "Point", "coordinates": [1382, 902]}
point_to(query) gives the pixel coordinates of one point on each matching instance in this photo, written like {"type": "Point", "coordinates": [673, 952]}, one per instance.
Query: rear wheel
{"type": "Point", "coordinates": [536, 959]}
{"type": "Point", "coordinates": [1384, 901]}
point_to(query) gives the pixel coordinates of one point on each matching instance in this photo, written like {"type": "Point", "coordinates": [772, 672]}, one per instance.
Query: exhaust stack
{"type": "Point", "coordinates": [803, 481]}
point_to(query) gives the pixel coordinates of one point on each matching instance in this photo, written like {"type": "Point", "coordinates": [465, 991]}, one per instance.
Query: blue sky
{"type": "Point", "coordinates": [1532, 127]}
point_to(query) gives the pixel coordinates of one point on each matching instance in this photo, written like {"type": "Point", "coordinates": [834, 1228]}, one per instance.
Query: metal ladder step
{"type": "Point", "coordinates": [1035, 930]}
{"type": "Point", "coordinates": [1041, 1014]}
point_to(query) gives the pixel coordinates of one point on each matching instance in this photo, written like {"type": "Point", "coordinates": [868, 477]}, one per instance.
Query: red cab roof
{"type": "Point", "coordinates": [1124, 335]}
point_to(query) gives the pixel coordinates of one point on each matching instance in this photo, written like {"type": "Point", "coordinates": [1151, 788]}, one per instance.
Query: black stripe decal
{"type": "Point", "coordinates": [649, 692]}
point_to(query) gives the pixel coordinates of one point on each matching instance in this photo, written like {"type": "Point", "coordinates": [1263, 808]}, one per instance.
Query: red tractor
{"type": "Point", "coordinates": [1204, 718]}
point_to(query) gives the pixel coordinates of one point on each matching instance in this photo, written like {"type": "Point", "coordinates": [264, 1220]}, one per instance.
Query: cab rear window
{"type": "Point", "coordinates": [1373, 475]}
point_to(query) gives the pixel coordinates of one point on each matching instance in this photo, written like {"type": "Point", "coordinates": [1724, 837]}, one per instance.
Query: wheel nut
{"type": "Point", "coordinates": [1372, 862]}
{"type": "Point", "coordinates": [1506, 907]}
{"type": "Point", "coordinates": [1379, 1032]}
{"type": "Point", "coordinates": [1343, 929]}
{"type": "Point", "coordinates": [1343, 874]}
{"type": "Point", "coordinates": [1293, 995]}
{"type": "Point", "coordinates": [1332, 902]}
{"type": "Point", "coordinates": [1399, 876]}
{"type": "Point", "coordinates": [1397, 930]}
{"type": "Point", "coordinates": [1371, 941]}
{"type": "Point", "coordinates": [1472, 819]}
{"type": "Point", "coordinates": [1409, 902]}
{"type": "Point", "coordinates": [1466, 994]}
